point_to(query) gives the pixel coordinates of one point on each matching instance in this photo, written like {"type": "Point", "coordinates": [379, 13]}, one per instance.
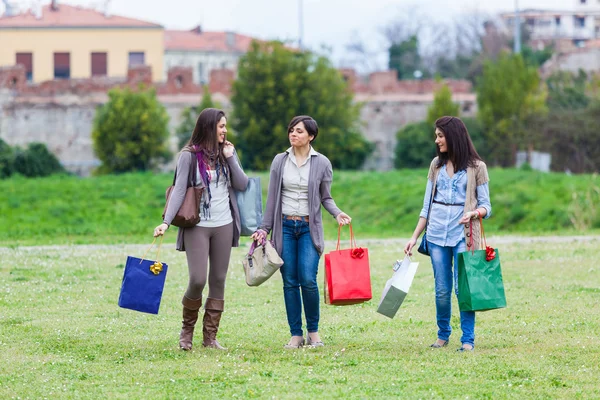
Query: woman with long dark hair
{"type": "Point", "coordinates": [457, 194]}
{"type": "Point", "coordinates": [300, 183]}
{"type": "Point", "coordinates": [219, 172]}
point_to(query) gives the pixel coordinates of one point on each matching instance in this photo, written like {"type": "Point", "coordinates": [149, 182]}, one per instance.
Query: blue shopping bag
{"type": "Point", "coordinates": [143, 283]}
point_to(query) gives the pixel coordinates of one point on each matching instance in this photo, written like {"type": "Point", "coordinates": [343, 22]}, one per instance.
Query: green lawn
{"type": "Point", "coordinates": [126, 208]}
{"type": "Point", "coordinates": [63, 335]}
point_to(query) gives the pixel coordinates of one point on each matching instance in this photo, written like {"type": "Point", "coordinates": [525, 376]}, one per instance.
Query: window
{"type": "Point", "coordinates": [26, 59]}
{"type": "Point", "coordinates": [579, 22]}
{"type": "Point", "coordinates": [99, 67]}
{"type": "Point", "coordinates": [557, 20]}
{"type": "Point", "coordinates": [62, 65]}
{"type": "Point", "coordinates": [201, 73]}
{"type": "Point", "coordinates": [582, 1]}
{"type": "Point", "coordinates": [136, 58]}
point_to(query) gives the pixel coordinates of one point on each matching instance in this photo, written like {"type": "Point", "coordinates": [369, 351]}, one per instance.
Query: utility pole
{"type": "Point", "coordinates": [517, 48]}
{"type": "Point", "coordinates": [300, 24]}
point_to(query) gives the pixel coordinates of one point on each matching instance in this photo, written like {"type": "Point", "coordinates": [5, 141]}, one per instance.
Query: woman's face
{"type": "Point", "coordinates": [440, 140]}
{"type": "Point", "coordinates": [221, 130]}
{"type": "Point", "coordinates": [298, 136]}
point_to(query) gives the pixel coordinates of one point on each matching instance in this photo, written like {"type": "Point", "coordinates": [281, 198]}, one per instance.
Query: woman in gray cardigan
{"type": "Point", "coordinates": [299, 184]}
{"type": "Point", "coordinates": [219, 173]}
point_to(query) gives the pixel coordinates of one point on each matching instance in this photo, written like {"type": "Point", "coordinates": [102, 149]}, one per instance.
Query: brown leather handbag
{"type": "Point", "coordinates": [188, 214]}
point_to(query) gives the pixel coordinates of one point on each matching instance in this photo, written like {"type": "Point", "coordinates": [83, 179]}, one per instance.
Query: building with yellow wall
{"type": "Point", "coordinates": [60, 41]}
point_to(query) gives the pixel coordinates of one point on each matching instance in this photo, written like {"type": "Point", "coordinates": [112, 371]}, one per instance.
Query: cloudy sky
{"type": "Point", "coordinates": [326, 22]}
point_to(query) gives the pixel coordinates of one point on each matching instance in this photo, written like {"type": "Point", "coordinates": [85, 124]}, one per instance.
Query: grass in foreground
{"type": "Point", "coordinates": [63, 335]}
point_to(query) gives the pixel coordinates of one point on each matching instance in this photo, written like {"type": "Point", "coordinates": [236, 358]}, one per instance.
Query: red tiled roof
{"type": "Point", "coordinates": [207, 41]}
{"type": "Point", "coordinates": [71, 16]}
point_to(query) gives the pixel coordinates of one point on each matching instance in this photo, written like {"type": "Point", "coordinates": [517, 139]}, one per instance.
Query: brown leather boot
{"type": "Point", "coordinates": [212, 318]}
{"type": "Point", "coordinates": [190, 316]}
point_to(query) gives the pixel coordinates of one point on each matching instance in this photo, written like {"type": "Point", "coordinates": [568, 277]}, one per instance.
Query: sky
{"type": "Point", "coordinates": [325, 22]}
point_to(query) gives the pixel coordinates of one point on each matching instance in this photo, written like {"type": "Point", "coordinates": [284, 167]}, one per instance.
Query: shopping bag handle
{"type": "Point", "coordinates": [157, 250]}
{"type": "Point", "coordinates": [482, 235]}
{"type": "Point", "coordinates": [352, 238]}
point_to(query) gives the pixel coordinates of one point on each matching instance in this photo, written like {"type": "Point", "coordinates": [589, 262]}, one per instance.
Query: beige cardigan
{"type": "Point", "coordinates": [475, 176]}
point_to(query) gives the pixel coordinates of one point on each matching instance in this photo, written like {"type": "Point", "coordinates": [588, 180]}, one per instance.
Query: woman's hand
{"type": "Point", "coordinates": [228, 149]}
{"type": "Point", "coordinates": [343, 218]}
{"type": "Point", "coordinates": [469, 215]}
{"type": "Point", "coordinates": [161, 229]}
{"type": "Point", "coordinates": [259, 236]}
{"type": "Point", "coordinates": [409, 246]}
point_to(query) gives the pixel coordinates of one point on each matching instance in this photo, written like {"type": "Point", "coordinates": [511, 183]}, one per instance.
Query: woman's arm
{"type": "Point", "coordinates": [184, 163]}
{"type": "Point", "coordinates": [239, 179]}
{"type": "Point", "coordinates": [422, 223]}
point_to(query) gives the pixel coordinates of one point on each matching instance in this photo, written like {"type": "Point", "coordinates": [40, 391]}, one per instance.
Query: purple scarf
{"type": "Point", "coordinates": [205, 176]}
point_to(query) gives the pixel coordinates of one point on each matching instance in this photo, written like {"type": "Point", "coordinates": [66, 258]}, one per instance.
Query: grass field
{"type": "Point", "coordinates": [126, 208]}
{"type": "Point", "coordinates": [63, 335]}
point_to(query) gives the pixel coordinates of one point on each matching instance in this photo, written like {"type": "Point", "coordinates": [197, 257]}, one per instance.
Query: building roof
{"type": "Point", "coordinates": [195, 40]}
{"type": "Point", "coordinates": [66, 16]}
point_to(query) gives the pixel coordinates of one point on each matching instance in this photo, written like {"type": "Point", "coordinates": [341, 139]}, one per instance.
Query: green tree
{"type": "Point", "coordinates": [274, 84]}
{"type": "Point", "coordinates": [510, 96]}
{"type": "Point", "coordinates": [130, 131]}
{"type": "Point", "coordinates": [404, 57]}
{"type": "Point", "coordinates": [442, 105]}
{"type": "Point", "coordinates": [189, 115]}
{"type": "Point", "coordinates": [567, 91]}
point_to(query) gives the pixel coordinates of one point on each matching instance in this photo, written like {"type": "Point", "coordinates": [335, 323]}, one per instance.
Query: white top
{"type": "Point", "coordinates": [219, 213]}
{"type": "Point", "coordinates": [294, 191]}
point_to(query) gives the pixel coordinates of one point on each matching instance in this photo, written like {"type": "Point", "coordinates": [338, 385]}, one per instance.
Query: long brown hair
{"type": "Point", "coordinates": [205, 136]}
{"type": "Point", "coordinates": [461, 151]}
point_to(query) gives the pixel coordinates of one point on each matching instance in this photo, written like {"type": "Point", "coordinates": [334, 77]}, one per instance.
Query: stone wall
{"type": "Point", "coordinates": [61, 113]}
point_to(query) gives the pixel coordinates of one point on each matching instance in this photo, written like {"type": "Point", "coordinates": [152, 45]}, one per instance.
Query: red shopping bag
{"type": "Point", "coordinates": [347, 274]}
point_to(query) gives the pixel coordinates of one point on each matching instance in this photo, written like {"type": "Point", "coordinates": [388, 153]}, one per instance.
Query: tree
{"type": "Point", "coordinates": [567, 91]}
{"type": "Point", "coordinates": [510, 96]}
{"type": "Point", "coordinates": [189, 116]}
{"type": "Point", "coordinates": [274, 84]}
{"type": "Point", "coordinates": [442, 105]}
{"type": "Point", "coordinates": [130, 131]}
{"type": "Point", "coordinates": [405, 57]}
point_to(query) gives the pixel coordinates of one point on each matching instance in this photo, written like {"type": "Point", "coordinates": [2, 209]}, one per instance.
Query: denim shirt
{"type": "Point", "coordinates": [444, 228]}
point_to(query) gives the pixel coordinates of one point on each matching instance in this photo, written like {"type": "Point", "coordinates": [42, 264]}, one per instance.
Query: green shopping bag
{"type": "Point", "coordinates": [480, 285]}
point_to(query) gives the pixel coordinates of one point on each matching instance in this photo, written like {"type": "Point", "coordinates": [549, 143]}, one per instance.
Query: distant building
{"type": "Point", "coordinates": [565, 29]}
{"type": "Point", "coordinates": [204, 51]}
{"type": "Point", "coordinates": [60, 41]}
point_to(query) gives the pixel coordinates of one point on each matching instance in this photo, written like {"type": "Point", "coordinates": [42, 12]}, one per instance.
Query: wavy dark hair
{"type": "Point", "coordinates": [205, 135]}
{"type": "Point", "coordinates": [312, 128]}
{"type": "Point", "coordinates": [461, 151]}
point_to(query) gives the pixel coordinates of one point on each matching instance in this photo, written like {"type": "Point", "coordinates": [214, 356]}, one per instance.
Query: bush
{"type": "Point", "coordinates": [415, 147]}
{"type": "Point", "coordinates": [7, 160]}
{"type": "Point", "coordinates": [37, 160]}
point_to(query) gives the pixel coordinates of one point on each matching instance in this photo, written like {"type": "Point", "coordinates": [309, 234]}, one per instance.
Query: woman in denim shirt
{"type": "Point", "coordinates": [458, 193]}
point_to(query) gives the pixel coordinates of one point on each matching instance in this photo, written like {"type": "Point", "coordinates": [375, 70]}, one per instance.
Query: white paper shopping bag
{"type": "Point", "coordinates": [396, 288]}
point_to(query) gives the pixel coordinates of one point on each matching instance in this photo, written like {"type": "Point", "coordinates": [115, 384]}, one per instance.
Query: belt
{"type": "Point", "coordinates": [296, 217]}
{"type": "Point", "coordinates": [447, 204]}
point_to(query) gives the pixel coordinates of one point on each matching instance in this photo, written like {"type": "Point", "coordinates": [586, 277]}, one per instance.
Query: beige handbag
{"type": "Point", "coordinates": [261, 262]}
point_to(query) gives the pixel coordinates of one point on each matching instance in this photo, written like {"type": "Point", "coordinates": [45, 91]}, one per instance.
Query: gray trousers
{"type": "Point", "coordinates": [201, 246]}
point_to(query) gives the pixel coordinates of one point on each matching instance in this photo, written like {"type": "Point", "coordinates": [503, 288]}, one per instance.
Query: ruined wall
{"type": "Point", "coordinates": [60, 113]}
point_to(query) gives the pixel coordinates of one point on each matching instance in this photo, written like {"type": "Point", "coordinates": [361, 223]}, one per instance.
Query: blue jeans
{"type": "Point", "coordinates": [299, 271]}
{"type": "Point", "coordinates": [442, 259]}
